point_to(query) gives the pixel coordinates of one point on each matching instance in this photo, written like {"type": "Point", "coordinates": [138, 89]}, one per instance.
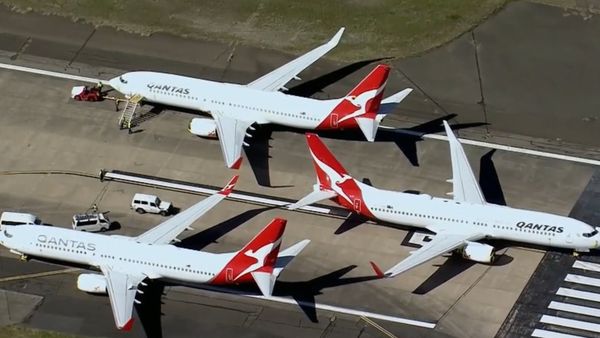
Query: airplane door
{"type": "Point", "coordinates": [333, 120]}
{"type": "Point", "coordinates": [357, 205]}
{"type": "Point", "coordinates": [229, 274]}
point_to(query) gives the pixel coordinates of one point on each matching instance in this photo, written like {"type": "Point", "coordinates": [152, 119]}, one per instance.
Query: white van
{"type": "Point", "coordinates": [96, 221]}
{"type": "Point", "coordinates": [143, 203]}
{"type": "Point", "coordinates": [18, 218]}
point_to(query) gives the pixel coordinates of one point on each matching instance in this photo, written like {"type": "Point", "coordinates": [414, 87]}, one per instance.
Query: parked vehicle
{"type": "Point", "coordinates": [143, 203]}
{"type": "Point", "coordinates": [18, 218]}
{"type": "Point", "coordinates": [95, 221]}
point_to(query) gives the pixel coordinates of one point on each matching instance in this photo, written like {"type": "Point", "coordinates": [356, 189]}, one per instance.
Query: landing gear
{"type": "Point", "coordinates": [24, 257]}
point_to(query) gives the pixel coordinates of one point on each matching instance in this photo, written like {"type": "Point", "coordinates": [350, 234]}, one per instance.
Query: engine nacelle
{"type": "Point", "coordinates": [92, 283]}
{"type": "Point", "coordinates": [478, 252]}
{"type": "Point", "coordinates": [203, 127]}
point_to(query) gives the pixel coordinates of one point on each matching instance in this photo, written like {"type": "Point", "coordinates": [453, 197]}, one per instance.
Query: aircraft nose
{"type": "Point", "coordinates": [115, 83]}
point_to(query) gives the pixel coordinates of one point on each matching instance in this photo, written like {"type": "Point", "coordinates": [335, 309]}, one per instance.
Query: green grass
{"type": "Point", "coordinates": [375, 28]}
{"type": "Point", "coordinates": [15, 331]}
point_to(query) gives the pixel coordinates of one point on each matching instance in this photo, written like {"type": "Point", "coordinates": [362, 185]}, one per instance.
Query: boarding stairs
{"type": "Point", "coordinates": [129, 111]}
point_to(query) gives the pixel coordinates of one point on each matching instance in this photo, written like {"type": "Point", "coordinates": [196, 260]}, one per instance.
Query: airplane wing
{"type": "Point", "coordinates": [168, 230]}
{"type": "Point", "coordinates": [442, 243]}
{"type": "Point", "coordinates": [231, 132]}
{"type": "Point", "coordinates": [465, 187]}
{"type": "Point", "coordinates": [276, 79]}
{"type": "Point", "coordinates": [122, 288]}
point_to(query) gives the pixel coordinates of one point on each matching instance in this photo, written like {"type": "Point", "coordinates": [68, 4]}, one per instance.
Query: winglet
{"type": "Point", "coordinates": [465, 187]}
{"type": "Point", "coordinates": [336, 38]}
{"type": "Point", "coordinates": [377, 270]}
{"type": "Point", "coordinates": [127, 326]}
{"type": "Point", "coordinates": [265, 282]}
{"type": "Point", "coordinates": [229, 187]}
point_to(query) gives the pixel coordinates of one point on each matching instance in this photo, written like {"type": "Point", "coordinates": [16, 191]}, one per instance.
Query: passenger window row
{"type": "Point", "coordinates": [388, 210]}
{"type": "Point", "coordinates": [301, 115]}
{"type": "Point", "coordinates": [58, 248]}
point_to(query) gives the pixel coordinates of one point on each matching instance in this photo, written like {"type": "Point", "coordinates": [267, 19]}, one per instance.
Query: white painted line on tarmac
{"type": "Point", "coordinates": [338, 309]}
{"type": "Point", "coordinates": [430, 136]}
{"type": "Point", "coordinates": [540, 333]}
{"type": "Point", "coordinates": [583, 310]}
{"type": "Point", "coordinates": [582, 280]}
{"type": "Point", "coordinates": [574, 324]}
{"type": "Point", "coordinates": [48, 73]}
{"type": "Point", "coordinates": [185, 187]}
{"type": "Point", "coordinates": [594, 297]}
{"type": "Point", "coordinates": [38, 275]}
{"type": "Point", "coordinates": [589, 266]}
{"type": "Point", "coordinates": [518, 150]}
{"type": "Point", "coordinates": [353, 312]}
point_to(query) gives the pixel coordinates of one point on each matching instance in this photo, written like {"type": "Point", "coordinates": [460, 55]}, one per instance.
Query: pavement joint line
{"type": "Point", "coordinates": [429, 136]}
{"type": "Point", "coordinates": [40, 274]}
{"type": "Point", "coordinates": [81, 47]}
{"type": "Point", "coordinates": [480, 80]}
{"type": "Point", "coordinates": [378, 327]}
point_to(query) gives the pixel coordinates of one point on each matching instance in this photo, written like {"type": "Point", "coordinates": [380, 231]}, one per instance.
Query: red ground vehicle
{"type": "Point", "coordinates": [85, 93]}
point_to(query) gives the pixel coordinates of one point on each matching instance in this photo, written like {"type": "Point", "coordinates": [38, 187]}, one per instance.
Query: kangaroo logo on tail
{"type": "Point", "coordinates": [332, 176]}
{"type": "Point", "coordinates": [362, 102]}
{"type": "Point", "coordinates": [259, 255]}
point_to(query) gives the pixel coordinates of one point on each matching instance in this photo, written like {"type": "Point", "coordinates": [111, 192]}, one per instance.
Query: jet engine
{"type": "Point", "coordinates": [203, 127]}
{"type": "Point", "coordinates": [92, 283]}
{"type": "Point", "coordinates": [478, 252]}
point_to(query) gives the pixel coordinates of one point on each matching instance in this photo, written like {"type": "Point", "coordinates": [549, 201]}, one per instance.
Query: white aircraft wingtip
{"type": "Point", "coordinates": [336, 38]}
{"type": "Point", "coordinates": [447, 127]}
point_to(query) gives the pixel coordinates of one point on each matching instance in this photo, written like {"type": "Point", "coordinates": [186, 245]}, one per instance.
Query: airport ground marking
{"type": "Point", "coordinates": [378, 327]}
{"type": "Point", "coordinates": [541, 333]}
{"type": "Point", "coordinates": [49, 73]}
{"type": "Point", "coordinates": [573, 308]}
{"type": "Point", "coordinates": [318, 306]}
{"type": "Point", "coordinates": [571, 323]}
{"type": "Point", "coordinates": [585, 295]}
{"type": "Point", "coordinates": [38, 275]}
{"type": "Point", "coordinates": [518, 150]}
{"type": "Point", "coordinates": [586, 266]}
{"type": "Point", "coordinates": [428, 136]}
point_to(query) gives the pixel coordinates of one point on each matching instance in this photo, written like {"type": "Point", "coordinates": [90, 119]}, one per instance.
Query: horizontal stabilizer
{"type": "Point", "coordinates": [313, 197]}
{"type": "Point", "coordinates": [368, 127]}
{"type": "Point", "coordinates": [286, 256]}
{"type": "Point", "coordinates": [389, 103]}
{"type": "Point", "coordinates": [265, 282]}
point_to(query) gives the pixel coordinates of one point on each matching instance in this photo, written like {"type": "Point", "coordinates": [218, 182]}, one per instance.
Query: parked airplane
{"type": "Point", "coordinates": [126, 261]}
{"type": "Point", "coordinates": [235, 107]}
{"type": "Point", "coordinates": [459, 223]}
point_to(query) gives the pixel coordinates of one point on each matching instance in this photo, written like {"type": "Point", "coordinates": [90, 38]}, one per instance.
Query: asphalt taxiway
{"type": "Point", "coordinates": [44, 130]}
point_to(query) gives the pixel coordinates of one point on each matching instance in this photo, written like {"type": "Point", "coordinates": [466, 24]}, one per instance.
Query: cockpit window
{"type": "Point", "coordinates": [590, 234]}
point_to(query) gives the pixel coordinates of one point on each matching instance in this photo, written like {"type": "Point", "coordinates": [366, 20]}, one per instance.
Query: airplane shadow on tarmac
{"type": "Point", "coordinates": [404, 138]}
{"type": "Point", "coordinates": [304, 292]}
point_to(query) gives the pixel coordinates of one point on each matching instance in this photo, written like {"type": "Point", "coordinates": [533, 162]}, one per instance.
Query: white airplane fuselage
{"type": "Point", "coordinates": [238, 100]}
{"type": "Point", "coordinates": [493, 221]}
{"type": "Point", "coordinates": [155, 261]}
